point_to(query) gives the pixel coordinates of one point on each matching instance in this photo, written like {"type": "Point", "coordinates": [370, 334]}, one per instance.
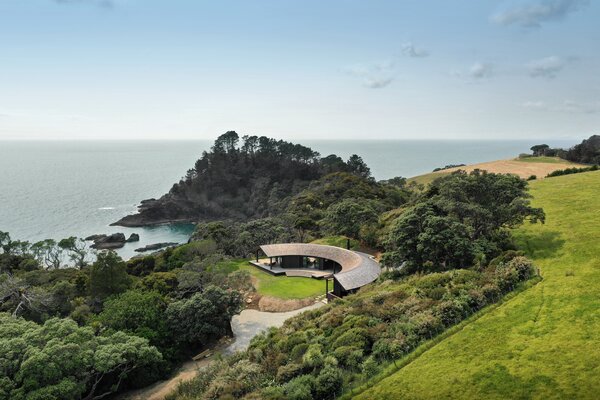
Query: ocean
{"type": "Point", "coordinates": [57, 189]}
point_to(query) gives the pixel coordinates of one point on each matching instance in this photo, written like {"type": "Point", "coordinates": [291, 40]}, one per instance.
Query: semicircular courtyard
{"type": "Point", "coordinates": [348, 270]}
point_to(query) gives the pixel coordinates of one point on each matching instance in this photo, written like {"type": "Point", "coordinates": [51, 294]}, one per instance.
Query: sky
{"type": "Point", "coordinates": [299, 69]}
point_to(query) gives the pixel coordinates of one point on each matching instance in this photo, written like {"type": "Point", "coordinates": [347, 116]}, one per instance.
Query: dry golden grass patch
{"type": "Point", "coordinates": [520, 167]}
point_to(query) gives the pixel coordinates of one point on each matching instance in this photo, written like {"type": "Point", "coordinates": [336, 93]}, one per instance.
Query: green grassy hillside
{"type": "Point", "coordinates": [549, 160]}
{"type": "Point", "coordinates": [541, 344]}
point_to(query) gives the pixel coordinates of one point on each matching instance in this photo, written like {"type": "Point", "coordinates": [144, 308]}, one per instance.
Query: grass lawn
{"type": "Point", "coordinates": [547, 160]}
{"type": "Point", "coordinates": [285, 287]}
{"type": "Point", "coordinates": [543, 343]}
{"type": "Point", "coordinates": [282, 287]}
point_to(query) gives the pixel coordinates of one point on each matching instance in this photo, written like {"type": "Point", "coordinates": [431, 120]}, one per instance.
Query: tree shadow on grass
{"type": "Point", "coordinates": [497, 381]}
{"type": "Point", "coordinates": [540, 245]}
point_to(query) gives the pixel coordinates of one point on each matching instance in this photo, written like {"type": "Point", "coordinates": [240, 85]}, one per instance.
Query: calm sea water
{"type": "Point", "coordinates": [59, 189]}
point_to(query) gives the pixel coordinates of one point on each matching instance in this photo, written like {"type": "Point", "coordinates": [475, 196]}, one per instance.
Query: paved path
{"type": "Point", "coordinates": [250, 323]}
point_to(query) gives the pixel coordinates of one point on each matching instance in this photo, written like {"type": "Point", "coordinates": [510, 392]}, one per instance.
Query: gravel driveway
{"type": "Point", "coordinates": [250, 323]}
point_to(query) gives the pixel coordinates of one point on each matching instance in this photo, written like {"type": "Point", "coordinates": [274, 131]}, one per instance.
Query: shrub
{"type": "Point", "coordinates": [271, 393]}
{"type": "Point", "coordinates": [241, 378]}
{"type": "Point", "coordinates": [569, 171]}
{"type": "Point", "coordinates": [313, 358]}
{"type": "Point", "coordinates": [370, 367]}
{"type": "Point", "coordinates": [349, 356]}
{"type": "Point", "coordinates": [298, 351]}
{"type": "Point", "coordinates": [329, 383]}
{"type": "Point", "coordinates": [300, 388]}
{"type": "Point", "coordinates": [451, 311]}
{"type": "Point", "coordinates": [505, 257]}
{"type": "Point", "coordinates": [388, 349]}
{"type": "Point", "coordinates": [288, 371]}
{"type": "Point", "coordinates": [354, 337]}
{"type": "Point", "coordinates": [523, 267]}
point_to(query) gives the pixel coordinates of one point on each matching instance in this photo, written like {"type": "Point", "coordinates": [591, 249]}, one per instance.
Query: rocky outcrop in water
{"type": "Point", "coordinates": [156, 246]}
{"type": "Point", "coordinates": [134, 237]}
{"type": "Point", "coordinates": [168, 209]}
{"type": "Point", "coordinates": [107, 242]}
{"type": "Point", "coordinates": [95, 237]}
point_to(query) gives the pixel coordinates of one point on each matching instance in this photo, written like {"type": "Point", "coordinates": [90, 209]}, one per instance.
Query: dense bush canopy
{"type": "Point", "coordinates": [460, 219]}
{"type": "Point", "coordinates": [252, 179]}
{"type": "Point", "coordinates": [61, 360]}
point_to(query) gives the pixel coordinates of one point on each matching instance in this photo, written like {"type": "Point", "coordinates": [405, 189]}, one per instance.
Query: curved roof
{"type": "Point", "coordinates": [358, 269]}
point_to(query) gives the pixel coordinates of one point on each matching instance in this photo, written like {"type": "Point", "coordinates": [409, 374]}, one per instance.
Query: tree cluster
{"type": "Point", "coordinates": [459, 221]}
{"type": "Point", "coordinates": [60, 360]}
{"type": "Point", "coordinates": [49, 253]}
{"type": "Point", "coordinates": [254, 177]}
{"type": "Point", "coordinates": [569, 171]}
{"type": "Point", "coordinates": [111, 324]}
{"type": "Point", "coordinates": [587, 152]}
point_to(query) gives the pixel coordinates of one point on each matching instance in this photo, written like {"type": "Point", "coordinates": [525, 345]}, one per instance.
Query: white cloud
{"type": "Point", "coordinates": [377, 83]}
{"type": "Point", "coordinates": [535, 105]}
{"type": "Point", "coordinates": [575, 107]}
{"type": "Point", "coordinates": [477, 72]}
{"type": "Point", "coordinates": [481, 70]}
{"type": "Point", "coordinates": [410, 50]}
{"type": "Point", "coordinates": [547, 67]}
{"type": "Point", "coordinates": [567, 106]}
{"type": "Point", "coordinates": [533, 14]}
{"type": "Point", "coordinates": [99, 3]}
{"type": "Point", "coordinates": [374, 76]}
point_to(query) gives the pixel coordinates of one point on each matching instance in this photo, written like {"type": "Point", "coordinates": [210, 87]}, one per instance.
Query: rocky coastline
{"type": "Point", "coordinates": [156, 246]}
{"type": "Point", "coordinates": [112, 241]}
{"type": "Point", "coordinates": [152, 212]}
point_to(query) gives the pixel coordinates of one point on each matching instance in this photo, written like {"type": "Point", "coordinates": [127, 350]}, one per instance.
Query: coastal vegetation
{"type": "Point", "coordinates": [462, 221]}
{"type": "Point", "coordinates": [569, 171]}
{"type": "Point", "coordinates": [586, 152]}
{"type": "Point", "coordinates": [448, 167]}
{"type": "Point", "coordinates": [322, 353]}
{"type": "Point", "coordinates": [254, 178]}
{"type": "Point", "coordinates": [541, 343]}
{"type": "Point", "coordinates": [108, 325]}
{"type": "Point", "coordinates": [447, 249]}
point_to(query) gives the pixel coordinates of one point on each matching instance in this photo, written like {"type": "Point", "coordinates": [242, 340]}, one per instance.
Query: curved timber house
{"type": "Point", "coordinates": [349, 269]}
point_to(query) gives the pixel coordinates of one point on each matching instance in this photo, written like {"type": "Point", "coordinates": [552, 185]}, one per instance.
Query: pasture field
{"type": "Point", "coordinates": [540, 344]}
{"type": "Point", "coordinates": [523, 167]}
